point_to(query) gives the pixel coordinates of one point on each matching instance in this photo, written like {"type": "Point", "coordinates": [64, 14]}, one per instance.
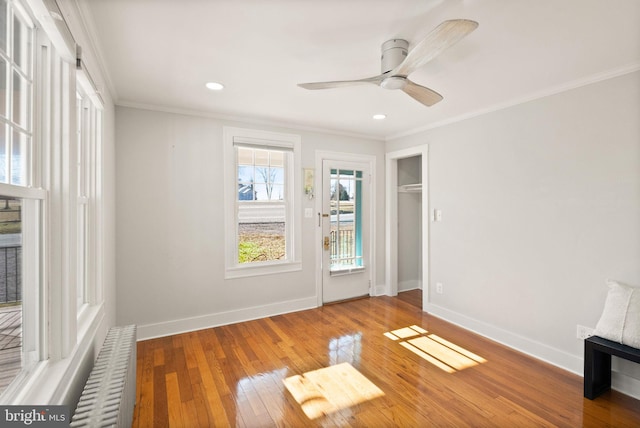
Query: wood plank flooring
{"type": "Point", "coordinates": [235, 375]}
{"type": "Point", "coordinates": [10, 344]}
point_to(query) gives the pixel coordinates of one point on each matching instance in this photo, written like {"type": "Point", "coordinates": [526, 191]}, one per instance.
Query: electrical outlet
{"type": "Point", "coordinates": [583, 332]}
{"type": "Point", "coordinates": [439, 288]}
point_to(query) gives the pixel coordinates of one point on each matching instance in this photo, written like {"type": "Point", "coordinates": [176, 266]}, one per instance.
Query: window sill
{"type": "Point", "coordinates": [50, 380]}
{"type": "Point", "coordinates": [265, 269]}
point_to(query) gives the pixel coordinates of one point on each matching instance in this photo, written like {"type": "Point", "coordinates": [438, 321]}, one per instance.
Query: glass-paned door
{"type": "Point", "coordinates": [345, 230]}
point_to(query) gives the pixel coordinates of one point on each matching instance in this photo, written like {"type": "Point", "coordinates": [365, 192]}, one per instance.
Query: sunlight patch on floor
{"type": "Point", "coordinates": [443, 354]}
{"type": "Point", "coordinates": [327, 390]}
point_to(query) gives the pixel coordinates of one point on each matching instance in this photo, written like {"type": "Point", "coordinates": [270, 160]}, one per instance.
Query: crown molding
{"type": "Point", "coordinates": [574, 84]}
{"type": "Point", "coordinates": [245, 120]}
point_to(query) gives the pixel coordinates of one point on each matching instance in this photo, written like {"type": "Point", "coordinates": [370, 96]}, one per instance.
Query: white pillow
{"type": "Point", "coordinates": [620, 320]}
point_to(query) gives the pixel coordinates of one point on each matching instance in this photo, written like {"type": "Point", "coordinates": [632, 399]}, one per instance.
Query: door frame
{"type": "Point", "coordinates": [320, 157]}
{"type": "Point", "coordinates": [391, 222]}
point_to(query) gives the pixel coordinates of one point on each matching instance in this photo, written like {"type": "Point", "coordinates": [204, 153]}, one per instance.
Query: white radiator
{"type": "Point", "coordinates": [109, 395]}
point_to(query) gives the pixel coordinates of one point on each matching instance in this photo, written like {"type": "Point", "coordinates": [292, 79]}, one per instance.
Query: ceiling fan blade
{"type": "Point", "coordinates": [341, 83]}
{"type": "Point", "coordinates": [442, 37]}
{"type": "Point", "coordinates": [422, 94]}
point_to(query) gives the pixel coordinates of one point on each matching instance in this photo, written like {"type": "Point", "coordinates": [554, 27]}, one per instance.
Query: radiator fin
{"type": "Point", "coordinates": [109, 395]}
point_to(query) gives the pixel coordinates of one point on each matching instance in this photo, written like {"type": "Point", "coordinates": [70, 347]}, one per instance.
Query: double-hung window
{"type": "Point", "coordinates": [262, 232]}
{"type": "Point", "coordinates": [21, 199]}
{"type": "Point", "coordinates": [88, 146]}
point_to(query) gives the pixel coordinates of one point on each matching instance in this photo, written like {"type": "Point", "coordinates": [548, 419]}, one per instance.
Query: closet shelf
{"type": "Point", "coordinates": [410, 188]}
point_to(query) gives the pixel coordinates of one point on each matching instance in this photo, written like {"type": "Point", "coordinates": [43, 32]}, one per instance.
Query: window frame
{"type": "Point", "coordinates": [266, 140]}
{"type": "Point", "coordinates": [89, 113]}
{"type": "Point", "coordinates": [32, 196]}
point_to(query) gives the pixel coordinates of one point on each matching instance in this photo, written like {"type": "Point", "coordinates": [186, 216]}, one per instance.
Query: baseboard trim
{"type": "Point", "coordinates": [625, 384]}
{"type": "Point", "coordinates": [574, 364]}
{"type": "Point", "coordinates": [536, 349]}
{"type": "Point", "coordinates": [411, 284]}
{"type": "Point", "coordinates": [168, 328]}
{"type": "Point", "coordinates": [380, 290]}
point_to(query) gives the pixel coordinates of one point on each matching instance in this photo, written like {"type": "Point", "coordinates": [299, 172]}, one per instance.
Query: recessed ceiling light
{"type": "Point", "coordinates": [379, 116]}
{"type": "Point", "coordinates": [215, 86]}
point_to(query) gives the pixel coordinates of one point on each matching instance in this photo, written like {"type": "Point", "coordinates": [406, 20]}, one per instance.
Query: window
{"type": "Point", "coordinates": [262, 233]}
{"type": "Point", "coordinates": [21, 199]}
{"type": "Point", "coordinates": [82, 167]}
{"type": "Point", "coordinates": [50, 193]}
{"type": "Point", "coordinates": [346, 219]}
{"type": "Point", "coordinates": [89, 111]}
{"type": "Point", "coordinates": [262, 205]}
{"type": "Point", "coordinates": [88, 124]}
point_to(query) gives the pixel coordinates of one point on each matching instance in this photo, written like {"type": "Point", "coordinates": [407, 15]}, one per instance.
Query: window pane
{"type": "Point", "coordinates": [261, 233]}
{"type": "Point", "coordinates": [262, 174]}
{"type": "Point", "coordinates": [4, 165]}
{"type": "Point", "coordinates": [261, 157]}
{"type": "Point", "coordinates": [82, 256]}
{"type": "Point", "coordinates": [245, 174]}
{"type": "Point", "coordinates": [246, 192]}
{"type": "Point", "coordinates": [79, 143]}
{"type": "Point", "coordinates": [3, 25]}
{"type": "Point", "coordinates": [261, 193]}
{"type": "Point", "coordinates": [340, 190]}
{"type": "Point", "coordinates": [19, 158]}
{"type": "Point", "coordinates": [21, 97]}
{"type": "Point", "coordinates": [4, 94]}
{"type": "Point", "coordinates": [277, 159]}
{"type": "Point", "coordinates": [278, 175]}
{"type": "Point", "coordinates": [277, 193]}
{"type": "Point", "coordinates": [346, 190]}
{"type": "Point", "coordinates": [21, 44]}
{"type": "Point", "coordinates": [245, 156]}
{"type": "Point", "coordinates": [10, 290]}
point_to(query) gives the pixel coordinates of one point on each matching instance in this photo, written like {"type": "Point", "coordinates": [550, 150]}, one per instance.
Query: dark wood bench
{"type": "Point", "coordinates": [597, 363]}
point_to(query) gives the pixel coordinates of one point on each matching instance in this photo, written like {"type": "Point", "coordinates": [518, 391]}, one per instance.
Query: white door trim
{"type": "Point", "coordinates": [321, 156]}
{"type": "Point", "coordinates": [391, 223]}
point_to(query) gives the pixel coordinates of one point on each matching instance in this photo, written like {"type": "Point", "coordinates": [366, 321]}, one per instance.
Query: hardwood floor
{"type": "Point", "coordinates": [235, 375]}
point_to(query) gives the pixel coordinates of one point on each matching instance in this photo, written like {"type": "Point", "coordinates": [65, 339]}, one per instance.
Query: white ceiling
{"type": "Point", "coordinates": [160, 53]}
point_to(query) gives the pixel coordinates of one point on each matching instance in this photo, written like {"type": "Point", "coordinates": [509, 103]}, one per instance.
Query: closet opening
{"type": "Point", "coordinates": [407, 222]}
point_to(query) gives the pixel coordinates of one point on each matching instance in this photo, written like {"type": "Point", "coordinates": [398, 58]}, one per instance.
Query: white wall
{"type": "Point", "coordinates": [170, 229]}
{"type": "Point", "coordinates": [541, 204]}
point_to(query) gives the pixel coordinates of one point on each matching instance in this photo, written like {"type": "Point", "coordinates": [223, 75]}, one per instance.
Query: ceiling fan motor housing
{"type": "Point", "coordinates": [394, 51]}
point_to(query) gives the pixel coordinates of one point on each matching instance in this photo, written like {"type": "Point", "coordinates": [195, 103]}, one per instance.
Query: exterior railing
{"type": "Point", "coordinates": [342, 247]}
{"type": "Point", "coordinates": [11, 274]}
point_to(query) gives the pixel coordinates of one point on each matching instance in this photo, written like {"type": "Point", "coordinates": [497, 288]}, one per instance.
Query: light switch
{"type": "Point", "coordinates": [437, 215]}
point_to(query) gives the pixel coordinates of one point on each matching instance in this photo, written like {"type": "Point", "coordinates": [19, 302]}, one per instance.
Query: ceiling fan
{"type": "Point", "coordinates": [397, 64]}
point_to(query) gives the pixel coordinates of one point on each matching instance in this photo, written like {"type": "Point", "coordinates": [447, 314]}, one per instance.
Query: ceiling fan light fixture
{"type": "Point", "coordinates": [215, 86]}
{"type": "Point", "coordinates": [397, 63]}
{"type": "Point", "coordinates": [394, 82]}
